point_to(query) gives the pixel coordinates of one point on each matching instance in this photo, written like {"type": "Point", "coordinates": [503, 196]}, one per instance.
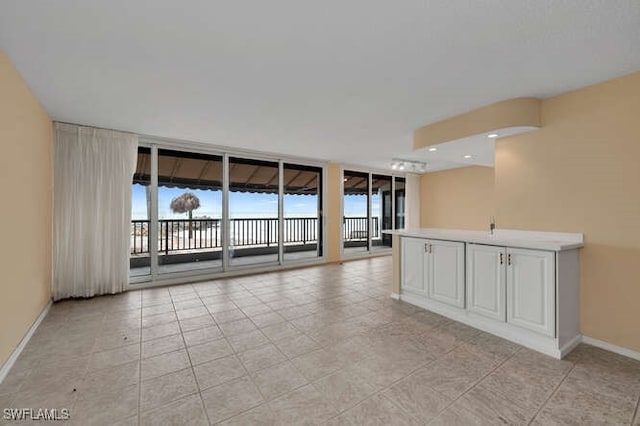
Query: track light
{"type": "Point", "coordinates": [413, 165]}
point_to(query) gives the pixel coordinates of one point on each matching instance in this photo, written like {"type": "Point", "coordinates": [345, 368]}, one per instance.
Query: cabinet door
{"type": "Point", "coordinates": [413, 252]}
{"type": "Point", "coordinates": [444, 270]}
{"type": "Point", "coordinates": [486, 281]}
{"type": "Point", "coordinates": [531, 290]}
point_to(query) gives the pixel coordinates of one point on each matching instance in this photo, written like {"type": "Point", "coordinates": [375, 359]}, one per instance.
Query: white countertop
{"type": "Point", "coordinates": [554, 241]}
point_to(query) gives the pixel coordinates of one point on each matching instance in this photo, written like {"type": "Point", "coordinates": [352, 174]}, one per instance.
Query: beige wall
{"type": "Point", "coordinates": [333, 212]}
{"type": "Point", "coordinates": [26, 188]}
{"type": "Point", "coordinates": [579, 173]}
{"type": "Point", "coordinates": [457, 198]}
{"type": "Point", "coordinates": [510, 113]}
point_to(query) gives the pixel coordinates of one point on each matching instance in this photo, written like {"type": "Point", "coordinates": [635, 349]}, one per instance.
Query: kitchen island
{"type": "Point", "coordinates": [520, 285]}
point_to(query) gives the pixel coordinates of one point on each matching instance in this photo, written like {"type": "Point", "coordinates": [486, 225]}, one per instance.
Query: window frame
{"type": "Point", "coordinates": [370, 171]}
{"type": "Point", "coordinates": [156, 279]}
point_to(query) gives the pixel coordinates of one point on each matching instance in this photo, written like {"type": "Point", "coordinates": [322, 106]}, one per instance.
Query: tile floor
{"type": "Point", "coordinates": [309, 346]}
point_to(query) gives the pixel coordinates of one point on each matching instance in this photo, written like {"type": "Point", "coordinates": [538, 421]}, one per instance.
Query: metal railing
{"type": "Point", "coordinates": [176, 235]}
{"type": "Point", "coordinates": [356, 228]}
{"type": "Point", "coordinates": [139, 237]}
{"type": "Point", "coordinates": [247, 232]}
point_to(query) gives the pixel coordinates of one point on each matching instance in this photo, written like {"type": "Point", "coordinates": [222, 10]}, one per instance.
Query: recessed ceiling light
{"type": "Point", "coordinates": [401, 167]}
{"type": "Point", "coordinates": [467, 156]}
{"type": "Point", "coordinates": [433, 149]}
{"type": "Point", "coordinates": [492, 135]}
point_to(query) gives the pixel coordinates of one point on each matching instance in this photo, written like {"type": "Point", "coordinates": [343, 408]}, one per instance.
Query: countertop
{"type": "Point", "coordinates": [554, 241]}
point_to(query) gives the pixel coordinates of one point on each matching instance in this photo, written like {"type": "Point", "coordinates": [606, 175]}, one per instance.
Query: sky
{"type": "Point", "coordinates": [244, 204]}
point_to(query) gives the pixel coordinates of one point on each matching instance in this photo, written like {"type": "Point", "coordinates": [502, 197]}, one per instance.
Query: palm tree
{"type": "Point", "coordinates": [186, 203]}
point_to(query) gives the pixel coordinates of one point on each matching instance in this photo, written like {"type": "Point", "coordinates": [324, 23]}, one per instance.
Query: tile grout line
{"type": "Point", "coordinates": [84, 374]}
{"type": "Point", "coordinates": [235, 353]}
{"type": "Point", "coordinates": [476, 383]}
{"type": "Point", "coordinates": [328, 307]}
{"type": "Point", "coordinates": [381, 391]}
{"type": "Point", "coordinates": [265, 402]}
{"type": "Point", "coordinates": [140, 364]}
{"type": "Point", "coordinates": [191, 366]}
{"type": "Point", "coordinates": [378, 392]}
{"type": "Point", "coordinates": [551, 394]}
{"type": "Point", "coordinates": [636, 413]}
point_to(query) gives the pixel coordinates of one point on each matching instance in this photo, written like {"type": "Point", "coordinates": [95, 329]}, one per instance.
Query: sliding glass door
{"type": "Point", "coordinates": [302, 211]}
{"type": "Point", "coordinates": [140, 257]}
{"type": "Point", "coordinates": [381, 211]}
{"type": "Point", "coordinates": [399, 202]}
{"type": "Point", "coordinates": [253, 211]}
{"type": "Point", "coordinates": [371, 203]}
{"type": "Point", "coordinates": [189, 211]}
{"type": "Point", "coordinates": [200, 213]}
{"type": "Point", "coordinates": [355, 220]}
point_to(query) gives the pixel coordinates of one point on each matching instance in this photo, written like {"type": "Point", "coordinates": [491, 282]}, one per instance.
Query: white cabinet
{"type": "Point", "coordinates": [413, 259]}
{"type": "Point", "coordinates": [528, 295]}
{"type": "Point", "coordinates": [434, 269]}
{"type": "Point", "coordinates": [531, 290]}
{"type": "Point", "coordinates": [512, 285]}
{"type": "Point", "coordinates": [486, 281]}
{"type": "Point", "coordinates": [444, 272]}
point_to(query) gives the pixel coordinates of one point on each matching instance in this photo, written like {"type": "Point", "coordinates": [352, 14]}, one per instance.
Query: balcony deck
{"type": "Point", "coordinates": [239, 261]}
{"type": "Point", "coordinates": [210, 264]}
{"type": "Point", "coordinates": [185, 245]}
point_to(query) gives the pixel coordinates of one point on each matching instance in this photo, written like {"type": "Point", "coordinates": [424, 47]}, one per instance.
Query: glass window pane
{"type": "Point", "coordinates": [399, 200]}
{"type": "Point", "coordinates": [381, 216]}
{"type": "Point", "coordinates": [253, 211]}
{"type": "Point", "coordinates": [189, 211]}
{"type": "Point", "coordinates": [355, 221]}
{"type": "Point", "coordinates": [139, 260]}
{"type": "Point", "coordinates": [302, 203]}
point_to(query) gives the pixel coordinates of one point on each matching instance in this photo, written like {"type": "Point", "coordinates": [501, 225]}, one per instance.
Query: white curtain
{"type": "Point", "coordinates": [93, 171]}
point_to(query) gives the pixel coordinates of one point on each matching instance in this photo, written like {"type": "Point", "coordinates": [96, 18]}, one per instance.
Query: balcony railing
{"type": "Point", "coordinates": [178, 235]}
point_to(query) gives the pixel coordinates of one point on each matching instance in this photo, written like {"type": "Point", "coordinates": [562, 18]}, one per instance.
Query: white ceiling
{"type": "Point", "coordinates": [336, 80]}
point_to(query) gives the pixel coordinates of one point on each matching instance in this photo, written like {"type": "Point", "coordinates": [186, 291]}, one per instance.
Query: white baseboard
{"type": "Point", "coordinates": [530, 339]}
{"type": "Point", "coordinates": [611, 348]}
{"type": "Point", "coordinates": [570, 345]}
{"type": "Point", "coordinates": [18, 350]}
{"type": "Point", "coordinates": [395, 296]}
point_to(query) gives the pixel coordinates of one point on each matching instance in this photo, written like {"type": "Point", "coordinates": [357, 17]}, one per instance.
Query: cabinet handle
{"type": "Point", "coordinates": [426, 247]}
{"type": "Point", "coordinates": [429, 247]}
{"type": "Point", "coordinates": [509, 259]}
{"type": "Point", "coordinates": [501, 259]}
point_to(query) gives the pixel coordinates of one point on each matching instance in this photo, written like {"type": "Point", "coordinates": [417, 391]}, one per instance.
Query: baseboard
{"type": "Point", "coordinates": [395, 296]}
{"type": "Point", "coordinates": [611, 348]}
{"type": "Point", "coordinates": [18, 350]}
{"type": "Point", "coordinates": [530, 339]}
{"type": "Point", "coordinates": [570, 345]}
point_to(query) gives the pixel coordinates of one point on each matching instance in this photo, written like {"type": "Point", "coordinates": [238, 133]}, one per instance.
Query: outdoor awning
{"type": "Point", "coordinates": [178, 169]}
{"type": "Point", "coordinates": [196, 171]}
{"type": "Point", "coordinates": [355, 183]}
